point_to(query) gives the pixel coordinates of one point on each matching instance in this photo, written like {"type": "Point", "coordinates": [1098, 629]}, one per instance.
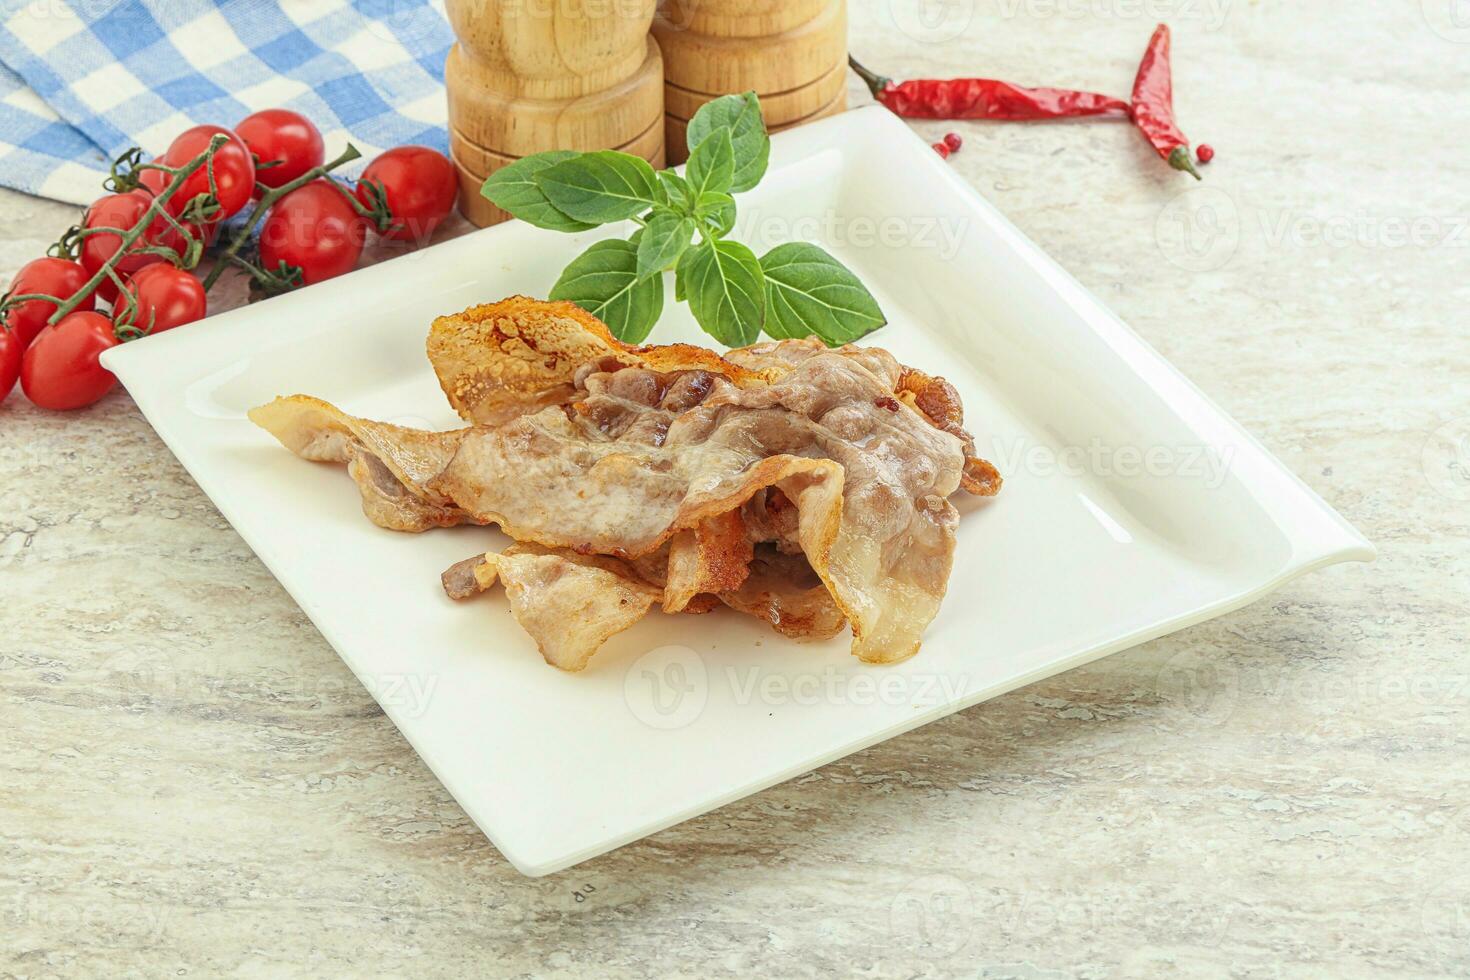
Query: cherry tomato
{"type": "Point", "coordinates": [234, 170]}
{"type": "Point", "coordinates": [154, 182]}
{"type": "Point", "coordinates": [166, 297]}
{"type": "Point", "coordinates": [314, 228]}
{"type": "Point", "coordinates": [284, 137]}
{"type": "Point", "coordinates": [123, 211]}
{"type": "Point", "coordinates": [11, 352]}
{"type": "Point", "coordinates": [60, 369]}
{"type": "Point", "coordinates": [52, 276]}
{"type": "Point", "coordinates": [420, 185]}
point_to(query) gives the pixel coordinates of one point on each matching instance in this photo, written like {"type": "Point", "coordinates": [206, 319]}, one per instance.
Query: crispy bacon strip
{"type": "Point", "coordinates": [390, 464]}
{"type": "Point", "coordinates": [713, 557]}
{"type": "Point", "coordinates": [499, 360]}
{"type": "Point", "coordinates": [783, 590]}
{"type": "Point", "coordinates": [569, 604]}
{"type": "Point", "coordinates": [592, 449]}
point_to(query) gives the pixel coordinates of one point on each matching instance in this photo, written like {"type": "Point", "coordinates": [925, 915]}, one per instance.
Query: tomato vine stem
{"type": "Point", "coordinates": [122, 180]}
{"type": "Point", "coordinates": [226, 258]}
{"type": "Point", "coordinates": [127, 238]}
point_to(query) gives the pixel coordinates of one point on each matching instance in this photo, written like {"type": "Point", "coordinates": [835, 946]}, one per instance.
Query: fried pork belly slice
{"type": "Point", "coordinates": [640, 457]}
{"type": "Point", "coordinates": [569, 604]}
{"type": "Point", "coordinates": [499, 360]}
{"type": "Point", "coordinates": [569, 607]}
{"type": "Point", "coordinates": [869, 480]}
{"type": "Point", "coordinates": [478, 574]}
{"type": "Point", "coordinates": [931, 396]}
{"type": "Point", "coordinates": [389, 463]}
{"type": "Point", "coordinates": [778, 588]}
{"type": "Point", "coordinates": [593, 446]}
{"type": "Point", "coordinates": [713, 557]}
{"type": "Point", "coordinates": [469, 577]}
{"type": "Point", "coordinates": [783, 590]}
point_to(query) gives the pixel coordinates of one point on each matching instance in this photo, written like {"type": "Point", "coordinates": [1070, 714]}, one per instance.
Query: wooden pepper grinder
{"type": "Point", "coordinates": [549, 75]}
{"type": "Point", "coordinates": [791, 53]}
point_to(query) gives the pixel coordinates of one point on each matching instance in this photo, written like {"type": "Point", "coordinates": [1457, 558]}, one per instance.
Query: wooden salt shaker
{"type": "Point", "coordinates": [534, 75]}
{"type": "Point", "coordinates": [791, 53]}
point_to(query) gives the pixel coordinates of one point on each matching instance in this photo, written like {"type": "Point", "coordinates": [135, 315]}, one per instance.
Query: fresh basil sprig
{"type": "Point", "coordinates": [794, 290]}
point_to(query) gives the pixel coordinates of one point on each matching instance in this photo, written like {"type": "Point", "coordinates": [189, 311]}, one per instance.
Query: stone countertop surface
{"type": "Point", "coordinates": [192, 783]}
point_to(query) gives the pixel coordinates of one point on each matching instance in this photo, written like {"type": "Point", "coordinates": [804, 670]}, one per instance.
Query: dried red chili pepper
{"type": "Point", "coordinates": [1153, 104]}
{"type": "Point", "coordinates": [983, 98]}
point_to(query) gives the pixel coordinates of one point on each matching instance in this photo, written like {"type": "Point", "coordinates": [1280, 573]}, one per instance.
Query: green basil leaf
{"type": "Point", "coordinates": [711, 167]}
{"type": "Point", "coordinates": [726, 290]}
{"type": "Point", "coordinates": [716, 212]}
{"type": "Point", "coordinates": [662, 241]}
{"type": "Point", "coordinates": [604, 281]}
{"type": "Point", "coordinates": [514, 189]}
{"type": "Point", "coordinates": [809, 292]}
{"type": "Point", "coordinates": [602, 186]}
{"type": "Point", "coordinates": [741, 114]}
{"type": "Point", "coordinates": [676, 188]}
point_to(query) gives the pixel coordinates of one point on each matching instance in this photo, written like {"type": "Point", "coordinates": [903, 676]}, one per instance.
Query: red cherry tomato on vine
{"type": "Point", "coordinates": [11, 353]}
{"type": "Point", "coordinates": [52, 276]}
{"type": "Point", "coordinates": [285, 138]}
{"type": "Point", "coordinates": [165, 297]}
{"type": "Point", "coordinates": [234, 170]}
{"type": "Point", "coordinates": [314, 228]}
{"type": "Point", "coordinates": [60, 370]}
{"type": "Point", "coordinates": [123, 211]}
{"type": "Point", "coordinates": [420, 185]}
{"type": "Point", "coordinates": [155, 182]}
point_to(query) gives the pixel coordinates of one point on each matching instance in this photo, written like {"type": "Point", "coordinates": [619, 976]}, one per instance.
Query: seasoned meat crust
{"type": "Point", "coordinates": [806, 486]}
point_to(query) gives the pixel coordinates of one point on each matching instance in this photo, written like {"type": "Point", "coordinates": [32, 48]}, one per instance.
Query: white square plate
{"type": "Point", "coordinates": [1132, 507]}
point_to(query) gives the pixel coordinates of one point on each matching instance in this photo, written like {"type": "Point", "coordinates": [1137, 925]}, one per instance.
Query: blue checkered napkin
{"type": "Point", "coordinates": [40, 154]}
{"type": "Point", "coordinates": [138, 72]}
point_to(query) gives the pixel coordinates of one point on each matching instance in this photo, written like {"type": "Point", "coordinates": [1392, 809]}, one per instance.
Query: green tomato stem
{"type": "Point", "coordinates": [267, 201]}
{"type": "Point", "coordinates": [130, 236]}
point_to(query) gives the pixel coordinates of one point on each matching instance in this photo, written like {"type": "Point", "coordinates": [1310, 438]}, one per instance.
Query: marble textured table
{"type": "Point", "coordinates": [191, 782]}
